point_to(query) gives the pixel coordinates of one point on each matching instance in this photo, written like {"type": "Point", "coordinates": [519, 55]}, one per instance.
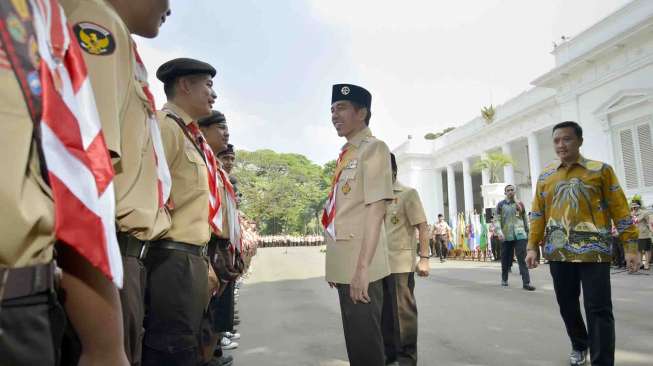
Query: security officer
{"type": "Point", "coordinates": [403, 216]}
{"type": "Point", "coordinates": [177, 272]}
{"type": "Point", "coordinates": [356, 258]}
{"type": "Point", "coordinates": [215, 130]}
{"type": "Point", "coordinates": [31, 319]}
{"type": "Point", "coordinates": [127, 114]}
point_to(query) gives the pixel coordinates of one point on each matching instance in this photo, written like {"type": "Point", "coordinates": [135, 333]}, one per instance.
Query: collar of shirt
{"type": "Point", "coordinates": [172, 107]}
{"type": "Point", "coordinates": [358, 138]}
{"type": "Point", "coordinates": [581, 161]}
{"type": "Point", "coordinates": [397, 187]}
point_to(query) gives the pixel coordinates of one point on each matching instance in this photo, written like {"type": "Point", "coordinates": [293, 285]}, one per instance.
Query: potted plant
{"type": "Point", "coordinates": [493, 164]}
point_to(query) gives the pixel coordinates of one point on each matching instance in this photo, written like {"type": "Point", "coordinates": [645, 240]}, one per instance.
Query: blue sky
{"type": "Point", "coordinates": [429, 64]}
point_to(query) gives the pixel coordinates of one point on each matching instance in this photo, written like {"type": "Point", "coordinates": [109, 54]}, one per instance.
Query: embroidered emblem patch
{"type": "Point", "coordinates": [94, 39]}
{"type": "Point", "coordinates": [16, 29]}
{"type": "Point", "coordinates": [352, 164]}
{"type": "Point", "coordinates": [33, 49]}
{"type": "Point", "coordinates": [21, 8]}
{"type": "Point", "coordinates": [346, 188]}
{"type": "Point", "coordinates": [34, 82]}
{"type": "Point", "coordinates": [345, 90]}
{"type": "Point", "coordinates": [394, 220]}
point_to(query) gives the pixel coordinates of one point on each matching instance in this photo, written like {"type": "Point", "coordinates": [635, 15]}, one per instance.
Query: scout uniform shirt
{"type": "Point", "coordinates": [572, 210]}
{"type": "Point", "coordinates": [123, 108]}
{"type": "Point", "coordinates": [402, 215]}
{"type": "Point", "coordinates": [644, 220]}
{"type": "Point", "coordinates": [366, 178]}
{"type": "Point", "coordinates": [27, 225]}
{"type": "Point", "coordinates": [190, 183]}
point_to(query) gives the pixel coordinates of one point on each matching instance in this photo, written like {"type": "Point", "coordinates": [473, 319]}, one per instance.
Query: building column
{"type": "Point", "coordinates": [467, 186]}
{"type": "Point", "coordinates": [485, 173]}
{"type": "Point", "coordinates": [439, 194]}
{"type": "Point", "coordinates": [534, 160]}
{"type": "Point", "coordinates": [451, 191]}
{"type": "Point", "coordinates": [508, 170]}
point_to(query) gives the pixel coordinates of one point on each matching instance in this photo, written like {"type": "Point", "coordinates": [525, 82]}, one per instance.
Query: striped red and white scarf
{"type": "Point", "coordinates": [329, 213]}
{"type": "Point", "coordinates": [78, 163]}
{"type": "Point", "coordinates": [164, 181]}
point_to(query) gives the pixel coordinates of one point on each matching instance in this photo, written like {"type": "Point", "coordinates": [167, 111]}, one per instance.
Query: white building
{"type": "Point", "coordinates": [603, 79]}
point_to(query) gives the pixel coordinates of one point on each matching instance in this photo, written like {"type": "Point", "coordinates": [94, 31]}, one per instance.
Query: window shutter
{"type": "Point", "coordinates": [628, 156]}
{"type": "Point", "coordinates": [646, 153]}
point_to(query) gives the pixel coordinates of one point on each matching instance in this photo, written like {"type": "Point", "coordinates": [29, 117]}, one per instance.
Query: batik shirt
{"type": "Point", "coordinates": [512, 221]}
{"type": "Point", "coordinates": [572, 212]}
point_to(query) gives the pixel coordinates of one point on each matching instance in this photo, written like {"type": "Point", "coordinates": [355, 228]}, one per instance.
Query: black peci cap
{"type": "Point", "coordinates": [228, 151]}
{"type": "Point", "coordinates": [215, 117]}
{"type": "Point", "coordinates": [352, 93]}
{"type": "Point", "coordinates": [182, 67]}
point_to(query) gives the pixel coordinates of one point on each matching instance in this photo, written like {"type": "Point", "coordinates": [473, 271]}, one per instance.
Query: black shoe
{"type": "Point", "coordinates": [220, 361]}
{"type": "Point", "coordinates": [504, 283]}
{"type": "Point", "coordinates": [528, 287]}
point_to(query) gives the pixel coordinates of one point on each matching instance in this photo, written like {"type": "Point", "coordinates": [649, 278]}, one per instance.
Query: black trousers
{"type": "Point", "coordinates": [508, 250]}
{"type": "Point", "coordinates": [224, 309]}
{"type": "Point", "coordinates": [32, 329]}
{"type": "Point", "coordinates": [362, 326]}
{"type": "Point", "coordinates": [176, 297]}
{"type": "Point", "coordinates": [441, 244]}
{"type": "Point", "coordinates": [599, 336]}
{"type": "Point", "coordinates": [132, 299]}
{"type": "Point", "coordinates": [496, 248]}
{"type": "Point", "coordinates": [399, 319]}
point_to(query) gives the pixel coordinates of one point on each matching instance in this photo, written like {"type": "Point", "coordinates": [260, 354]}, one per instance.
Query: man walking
{"type": "Point", "coordinates": [575, 201]}
{"type": "Point", "coordinates": [513, 232]}
{"type": "Point", "coordinates": [442, 235]}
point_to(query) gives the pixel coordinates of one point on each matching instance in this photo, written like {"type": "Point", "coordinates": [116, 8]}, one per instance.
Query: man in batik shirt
{"type": "Point", "coordinates": [575, 201]}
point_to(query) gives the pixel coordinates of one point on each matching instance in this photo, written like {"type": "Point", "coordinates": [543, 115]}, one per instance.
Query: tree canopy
{"type": "Point", "coordinates": [285, 193]}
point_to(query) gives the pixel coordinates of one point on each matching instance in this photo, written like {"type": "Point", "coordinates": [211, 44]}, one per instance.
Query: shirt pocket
{"type": "Point", "coordinates": [197, 172]}
{"type": "Point", "coordinates": [347, 183]}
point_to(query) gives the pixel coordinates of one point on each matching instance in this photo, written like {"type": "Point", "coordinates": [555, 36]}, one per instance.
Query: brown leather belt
{"type": "Point", "coordinates": [26, 281]}
{"type": "Point", "coordinates": [130, 246]}
{"type": "Point", "coordinates": [199, 250]}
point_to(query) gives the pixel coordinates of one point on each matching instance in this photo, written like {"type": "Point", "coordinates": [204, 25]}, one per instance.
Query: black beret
{"type": "Point", "coordinates": [228, 151]}
{"type": "Point", "coordinates": [352, 93]}
{"type": "Point", "coordinates": [182, 67]}
{"type": "Point", "coordinates": [214, 117]}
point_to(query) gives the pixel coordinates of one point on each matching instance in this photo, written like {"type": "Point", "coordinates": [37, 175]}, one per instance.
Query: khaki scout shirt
{"type": "Point", "coordinates": [123, 108]}
{"type": "Point", "coordinates": [368, 177]}
{"type": "Point", "coordinates": [27, 222]}
{"type": "Point", "coordinates": [190, 184]}
{"type": "Point", "coordinates": [402, 215]}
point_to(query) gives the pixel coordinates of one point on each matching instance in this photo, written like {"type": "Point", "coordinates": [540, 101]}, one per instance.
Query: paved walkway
{"type": "Point", "coordinates": [290, 317]}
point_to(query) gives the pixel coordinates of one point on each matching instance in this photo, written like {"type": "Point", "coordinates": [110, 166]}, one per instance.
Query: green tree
{"type": "Point", "coordinates": [284, 192]}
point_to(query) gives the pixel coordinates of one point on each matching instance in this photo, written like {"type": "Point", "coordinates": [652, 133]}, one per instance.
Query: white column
{"type": "Point", "coordinates": [534, 159]}
{"type": "Point", "coordinates": [439, 195]}
{"type": "Point", "coordinates": [451, 191]}
{"type": "Point", "coordinates": [467, 186]}
{"type": "Point", "coordinates": [508, 170]}
{"type": "Point", "coordinates": [485, 173]}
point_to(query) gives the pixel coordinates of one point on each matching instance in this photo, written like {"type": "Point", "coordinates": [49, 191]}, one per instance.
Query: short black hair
{"type": "Point", "coordinates": [569, 124]}
{"type": "Point", "coordinates": [440, 215]}
{"type": "Point", "coordinates": [508, 185]}
{"type": "Point", "coordinates": [358, 106]}
{"type": "Point", "coordinates": [393, 163]}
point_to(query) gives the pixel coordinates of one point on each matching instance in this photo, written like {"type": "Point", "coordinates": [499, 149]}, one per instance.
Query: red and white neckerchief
{"type": "Point", "coordinates": [78, 162]}
{"type": "Point", "coordinates": [164, 181]}
{"type": "Point", "coordinates": [233, 218]}
{"type": "Point", "coordinates": [329, 213]}
{"type": "Point", "coordinates": [215, 220]}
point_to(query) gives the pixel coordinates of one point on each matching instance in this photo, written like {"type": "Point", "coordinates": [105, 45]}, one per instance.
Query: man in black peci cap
{"type": "Point", "coordinates": [356, 257]}
{"type": "Point", "coordinates": [228, 158]}
{"type": "Point", "coordinates": [177, 272]}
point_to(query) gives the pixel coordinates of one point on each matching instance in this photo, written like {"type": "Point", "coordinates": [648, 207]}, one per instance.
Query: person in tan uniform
{"type": "Point", "coordinates": [215, 130]}
{"type": "Point", "coordinates": [125, 107]}
{"type": "Point", "coordinates": [31, 319]}
{"type": "Point", "coordinates": [404, 215]}
{"type": "Point", "coordinates": [177, 270]}
{"type": "Point", "coordinates": [356, 258]}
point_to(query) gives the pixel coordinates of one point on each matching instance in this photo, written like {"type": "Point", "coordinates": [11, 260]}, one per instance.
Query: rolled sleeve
{"type": "Point", "coordinates": [414, 209]}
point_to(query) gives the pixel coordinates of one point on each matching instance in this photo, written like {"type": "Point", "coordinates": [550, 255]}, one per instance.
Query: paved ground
{"type": "Point", "coordinates": [290, 316]}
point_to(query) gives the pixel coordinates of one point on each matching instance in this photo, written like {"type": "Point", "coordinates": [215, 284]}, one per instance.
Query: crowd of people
{"type": "Point", "coordinates": [123, 243]}
{"type": "Point", "coordinates": [268, 241]}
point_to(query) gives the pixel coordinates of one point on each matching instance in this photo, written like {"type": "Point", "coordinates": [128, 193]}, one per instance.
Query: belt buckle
{"type": "Point", "coordinates": [205, 251]}
{"type": "Point", "coordinates": [144, 250]}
